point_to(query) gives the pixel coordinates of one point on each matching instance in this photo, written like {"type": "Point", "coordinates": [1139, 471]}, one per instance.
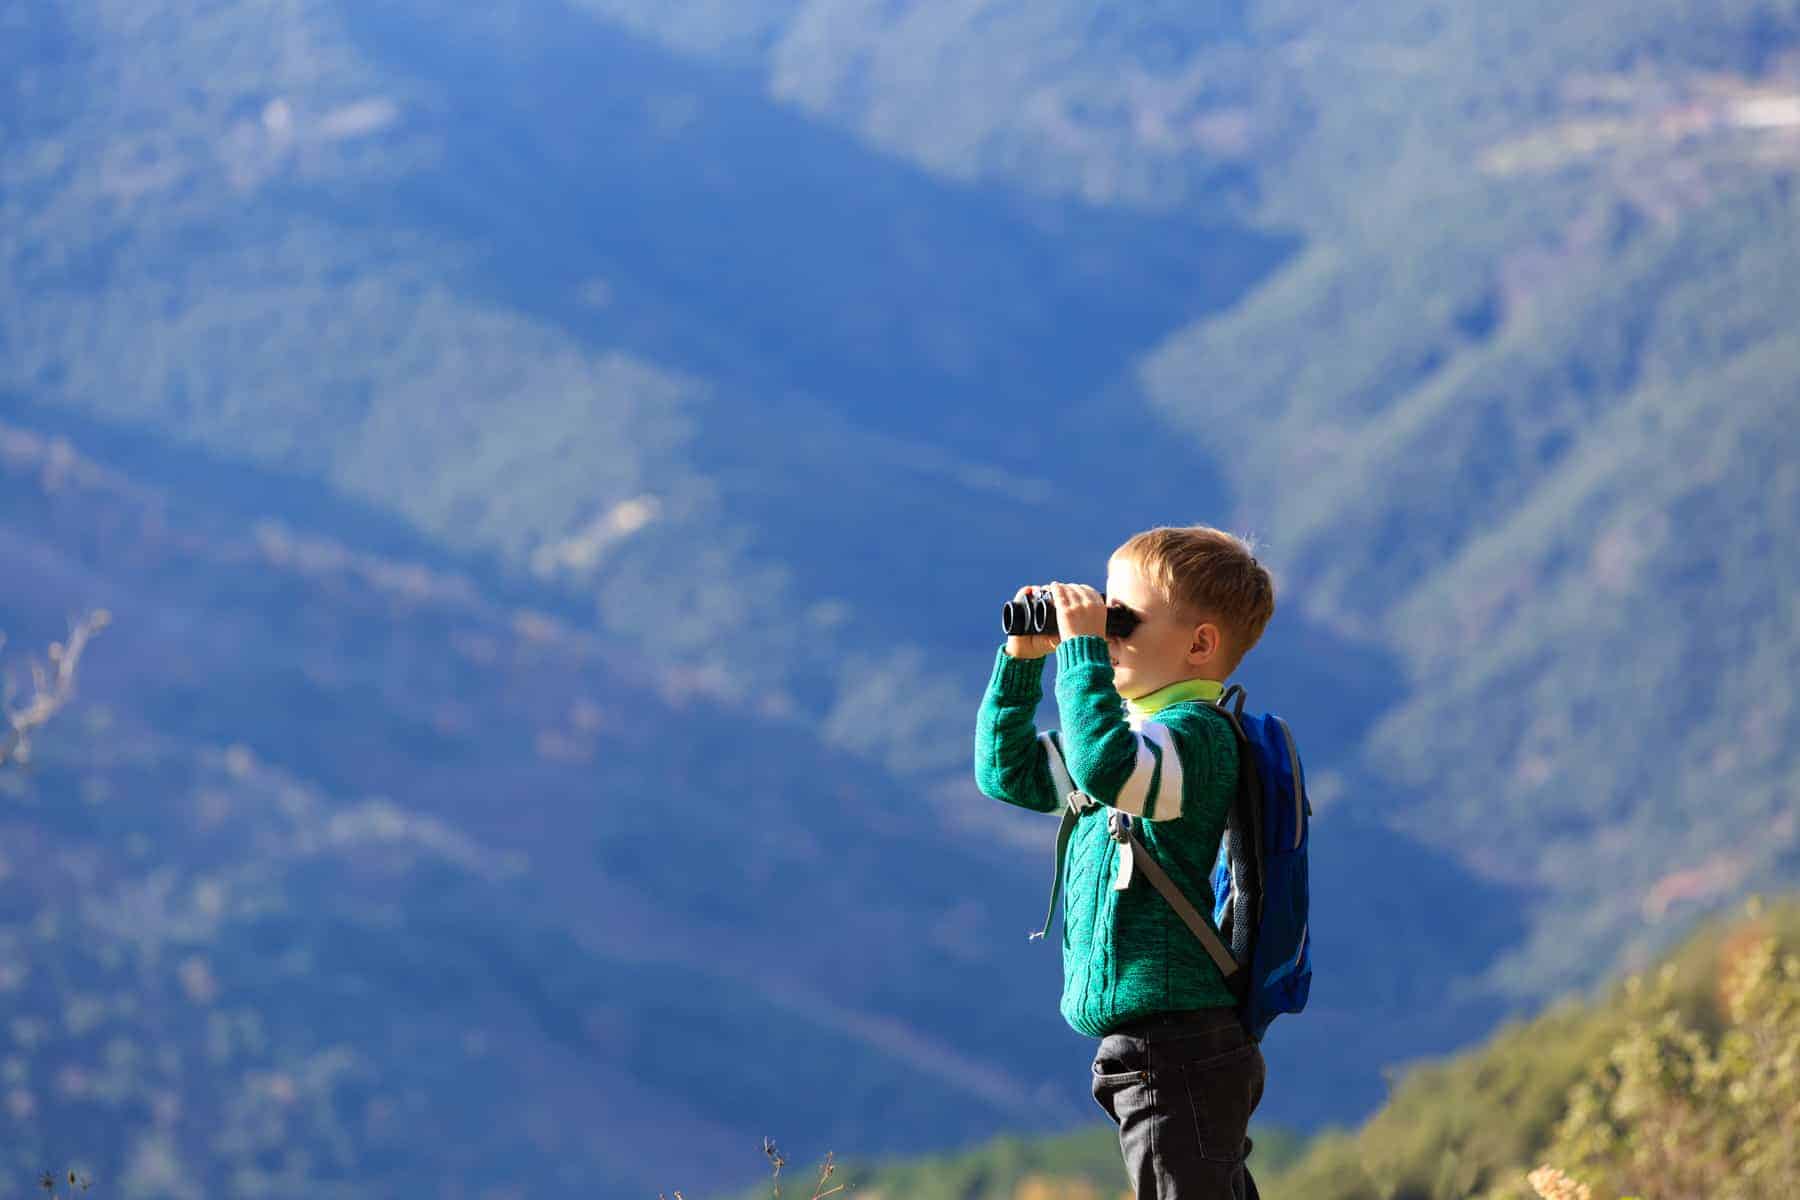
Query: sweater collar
{"type": "Point", "coordinates": [1174, 693]}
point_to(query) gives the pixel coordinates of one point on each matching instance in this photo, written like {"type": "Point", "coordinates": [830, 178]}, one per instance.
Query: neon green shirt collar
{"type": "Point", "coordinates": [1174, 693]}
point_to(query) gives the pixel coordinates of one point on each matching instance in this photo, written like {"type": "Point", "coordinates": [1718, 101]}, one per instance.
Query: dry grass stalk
{"type": "Point", "coordinates": [820, 1191]}
{"type": "Point", "coordinates": [52, 687]}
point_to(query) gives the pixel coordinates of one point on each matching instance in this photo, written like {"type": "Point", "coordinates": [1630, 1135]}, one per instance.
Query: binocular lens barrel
{"type": "Point", "coordinates": [1024, 618]}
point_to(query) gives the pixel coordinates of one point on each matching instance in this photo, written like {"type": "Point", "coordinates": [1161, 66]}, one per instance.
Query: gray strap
{"type": "Point", "coordinates": [1074, 802]}
{"type": "Point", "coordinates": [1062, 848]}
{"type": "Point", "coordinates": [1190, 917]}
{"type": "Point", "coordinates": [1059, 770]}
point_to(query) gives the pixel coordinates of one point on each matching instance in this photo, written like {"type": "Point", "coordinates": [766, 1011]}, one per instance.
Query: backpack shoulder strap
{"type": "Point", "coordinates": [1190, 916]}
{"type": "Point", "coordinates": [1233, 699]}
{"type": "Point", "coordinates": [1074, 802]}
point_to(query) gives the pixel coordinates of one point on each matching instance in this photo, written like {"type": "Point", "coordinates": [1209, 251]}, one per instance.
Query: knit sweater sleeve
{"type": "Point", "coordinates": [1010, 756]}
{"type": "Point", "coordinates": [1153, 772]}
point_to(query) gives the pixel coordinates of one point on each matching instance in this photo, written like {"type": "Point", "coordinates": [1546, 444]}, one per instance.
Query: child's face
{"type": "Point", "coordinates": [1166, 647]}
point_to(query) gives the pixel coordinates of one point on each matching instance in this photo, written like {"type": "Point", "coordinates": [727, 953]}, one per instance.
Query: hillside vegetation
{"type": "Point", "coordinates": [1681, 1081]}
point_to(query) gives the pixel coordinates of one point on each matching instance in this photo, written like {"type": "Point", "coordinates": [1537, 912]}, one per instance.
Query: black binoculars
{"type": "Point", "coordinates": [1023, 618]}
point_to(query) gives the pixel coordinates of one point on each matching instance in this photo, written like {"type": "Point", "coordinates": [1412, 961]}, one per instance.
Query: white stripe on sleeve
{"type": "Point", "coordinates": [1169, 791]}
{"type": "Point", "coordinates": [1135, 797]}
{"type": "Point", "coordinates": [1134, 793]}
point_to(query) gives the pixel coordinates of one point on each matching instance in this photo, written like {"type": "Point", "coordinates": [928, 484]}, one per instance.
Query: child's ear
{"type": "Point", "coordinates": [1205, 643]}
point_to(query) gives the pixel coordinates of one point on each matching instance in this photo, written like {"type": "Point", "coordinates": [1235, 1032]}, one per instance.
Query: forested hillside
{"type": "Point", "coordinates": [1519, 410]}
{"type": "Point", "coordinates": [524, 403]}
{"type": "Point", "coordinates": [1540, 389]}
{"type": "Point", "coordinates": [343, 868]}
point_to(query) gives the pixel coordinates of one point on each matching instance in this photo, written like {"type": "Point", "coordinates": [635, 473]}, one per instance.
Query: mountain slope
{"type": "Point", "coordinates": [459, 892]}
{"type": "Point", "coordinates": [669, 362]}
{"type": "Point", "coordinates": [675, 352]}
{"type": "Point", "coordinates": [1483, 417]}
{"type": "Point", "coordinates": [483, 218]}
{"type": "Point", "coordinates": [1522, 416]}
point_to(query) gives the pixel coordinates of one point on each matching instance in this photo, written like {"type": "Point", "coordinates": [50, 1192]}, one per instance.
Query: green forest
{"type": "Point", "coordinates": [551, 467]}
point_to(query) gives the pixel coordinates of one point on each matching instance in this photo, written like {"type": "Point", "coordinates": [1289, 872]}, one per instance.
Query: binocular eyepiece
{"type": "Point", "coordinates": [1024, 618]}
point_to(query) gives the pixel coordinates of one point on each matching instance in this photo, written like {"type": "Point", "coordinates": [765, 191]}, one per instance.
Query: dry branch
{"type": "Point", "coordinates": [52, 687]}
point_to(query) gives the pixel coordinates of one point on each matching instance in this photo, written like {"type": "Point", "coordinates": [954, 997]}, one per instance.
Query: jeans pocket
{"type": "Point", "coordinates": [1119, 1079]}
{"type": "Point", "coordinates": [1222, 1091]}
{"type": "Point", "coordinates": [1121, 1082]}
{"type": "Point", "coordinates": [1121, 1095]}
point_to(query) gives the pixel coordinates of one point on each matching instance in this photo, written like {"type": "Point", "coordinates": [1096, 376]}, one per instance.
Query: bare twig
{"type": "Point", "coordinates": [820, 1191]}
{"type": "Point", "coordinates": [52, 687]}
{"type": "Point", "coordinates": [825, 1170]}
{"type": "Point", "coordinates": [774, 1156]}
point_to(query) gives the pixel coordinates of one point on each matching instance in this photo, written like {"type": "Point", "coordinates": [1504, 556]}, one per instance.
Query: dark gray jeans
{"type": "Point", "coordinates": [1181, 1090]}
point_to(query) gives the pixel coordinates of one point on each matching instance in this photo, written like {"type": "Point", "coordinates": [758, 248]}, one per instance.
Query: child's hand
{"type": "Point", "coordinates": [1080, 610]}
{"type": "Point", "coordinates": [1037, 645]}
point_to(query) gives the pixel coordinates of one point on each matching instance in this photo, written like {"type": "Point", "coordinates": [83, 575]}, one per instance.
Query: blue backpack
{"type": "Point", "coordinates": [1259, 891]}
{"type": "Point", "coordinates": [1259, 881]}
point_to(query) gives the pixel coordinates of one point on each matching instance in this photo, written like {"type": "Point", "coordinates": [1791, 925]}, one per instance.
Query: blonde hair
{"type": "Point", "coordinates": [1210, 574]}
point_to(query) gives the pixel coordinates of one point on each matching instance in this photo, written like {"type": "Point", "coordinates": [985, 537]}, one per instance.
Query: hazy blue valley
{"type": "Point", "coordinates": [553, 470]}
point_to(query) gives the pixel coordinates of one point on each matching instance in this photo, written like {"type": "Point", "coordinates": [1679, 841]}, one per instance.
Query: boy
{"type": "Point", "coordinates": [1175, 1069]}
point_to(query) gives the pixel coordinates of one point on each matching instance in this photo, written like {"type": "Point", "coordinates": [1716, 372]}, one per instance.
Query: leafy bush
{"type": "Point", "coordinates": [1688, 1085]}
{"type": "Point", "coordinates": [1672, 1111]}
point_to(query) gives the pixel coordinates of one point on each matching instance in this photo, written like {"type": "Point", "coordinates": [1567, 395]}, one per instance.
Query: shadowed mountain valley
{"type": "Point", "coordinates": [554, 468]}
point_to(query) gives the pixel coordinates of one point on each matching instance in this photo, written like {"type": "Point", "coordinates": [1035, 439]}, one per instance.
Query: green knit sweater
{"type": "Point", "coordinates": [1126, 954]}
